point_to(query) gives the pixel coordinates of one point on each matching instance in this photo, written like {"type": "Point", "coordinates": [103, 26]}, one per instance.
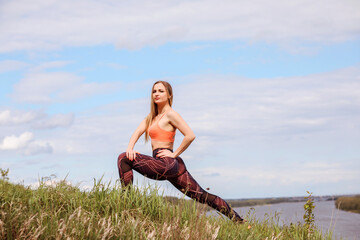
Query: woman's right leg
{"type": "Point", "coordinates": [187, 184]}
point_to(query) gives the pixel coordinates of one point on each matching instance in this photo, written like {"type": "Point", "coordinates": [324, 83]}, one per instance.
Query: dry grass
{"type": "Point", "coordinates": [65, 212]}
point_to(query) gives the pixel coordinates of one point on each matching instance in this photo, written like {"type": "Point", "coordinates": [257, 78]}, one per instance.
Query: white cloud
{"type": "Point", "coordinates": [57, 120]}
{"type": "Point", "coordinates": [8, 117]}
{"type": "Point", "coordinates": [87, 89]}
{"type": "Point", "coordinates": [132, 25]}
{"type": "Point", "coordinates": [37, 87]}
{"type": "Point", "coordinates": [11, 65]}
{"type": "Point", "coordinates": [228, 107]}
{"type": "Point", "coordinates": [291, 175]}
{"type": "Point", "coordinates": [49, 87]}
{"type": "Point", "coordinates": [26, 144]}
{"type": "Point", "coordinates": [38, 147]}
{"type": "Point", "coordinates": [35, 119]}
{"type": "Point", "coordinates": [46, 65]}
{"type": "Point", "coordinates": [14, 142]}
{"type": "Point", "coordinates": [97, 134]}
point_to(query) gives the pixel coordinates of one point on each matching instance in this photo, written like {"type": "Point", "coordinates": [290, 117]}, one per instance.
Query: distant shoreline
{"type": "Point", "coordinates": [348, 203]}
{"type": "Point", "coordinates": [248, 202]}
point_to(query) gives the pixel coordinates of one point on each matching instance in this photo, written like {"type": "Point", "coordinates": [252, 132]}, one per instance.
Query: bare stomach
{"type": "Point", "coordinates": [157, 144]}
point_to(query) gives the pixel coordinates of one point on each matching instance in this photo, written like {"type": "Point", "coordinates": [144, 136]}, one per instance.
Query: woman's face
{"type": "Point", "coordinates": [159, 93]}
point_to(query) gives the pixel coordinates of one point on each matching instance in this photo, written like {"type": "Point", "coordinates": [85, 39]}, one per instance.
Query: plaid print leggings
{"type": "Point", "coordinates": [173, 170]}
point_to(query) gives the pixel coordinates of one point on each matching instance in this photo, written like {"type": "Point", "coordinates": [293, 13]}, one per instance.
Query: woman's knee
{"type": "Point", "coordinates": [120, 158]}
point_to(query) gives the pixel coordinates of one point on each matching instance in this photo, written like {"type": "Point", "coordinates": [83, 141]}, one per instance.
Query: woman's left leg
{"type": "Point", "coordinates": [151, 167]}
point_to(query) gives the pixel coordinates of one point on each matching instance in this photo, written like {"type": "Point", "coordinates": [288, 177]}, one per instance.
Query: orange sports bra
{"type": "Point", "coordinates": [158, 134]}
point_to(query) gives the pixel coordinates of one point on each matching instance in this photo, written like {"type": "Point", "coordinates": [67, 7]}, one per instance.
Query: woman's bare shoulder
{"type": "Point", "coordinates": [172, 114]}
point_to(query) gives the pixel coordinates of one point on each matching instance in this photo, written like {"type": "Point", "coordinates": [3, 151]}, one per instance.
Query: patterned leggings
{"type": "Point", "coordinates": [173, 170]}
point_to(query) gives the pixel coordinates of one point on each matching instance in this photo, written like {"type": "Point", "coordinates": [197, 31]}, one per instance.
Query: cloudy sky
{"type": "Point", "coordinates": [270, 88]}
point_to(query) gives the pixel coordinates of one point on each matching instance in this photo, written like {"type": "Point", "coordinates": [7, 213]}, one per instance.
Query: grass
{"type": "Point", "coordinates": [110, 212]}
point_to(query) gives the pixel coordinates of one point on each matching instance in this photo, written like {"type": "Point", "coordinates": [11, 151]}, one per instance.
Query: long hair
{"type": "Point", "coordinates": [153, 107]}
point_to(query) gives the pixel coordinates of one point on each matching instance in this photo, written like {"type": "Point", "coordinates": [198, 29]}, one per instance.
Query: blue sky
{"type": "Point", "coordinates": [271, 90]}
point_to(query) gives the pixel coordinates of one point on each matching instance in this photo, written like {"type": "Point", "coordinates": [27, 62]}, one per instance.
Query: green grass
{"type": "Point", "coordinates": [109, 212]}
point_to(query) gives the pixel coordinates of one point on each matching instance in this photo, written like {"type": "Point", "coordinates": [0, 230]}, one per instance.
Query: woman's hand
{"type": "Point", "coordinates": [165, 153]}
{"type": "Point", "coordinates": [130, 154]}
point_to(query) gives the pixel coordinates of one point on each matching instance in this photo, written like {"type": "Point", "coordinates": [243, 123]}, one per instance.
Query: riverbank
{"type": "Point", "coordinates": [265, 201]}
{"type": "Point", "coordinates": [349, 204]}
{"type": "Point", "coordinates": [64, 211]}
{"type": "Point", "coordinates": [343, 225]}
{"type": "Point", "coordinates": [251, 202]}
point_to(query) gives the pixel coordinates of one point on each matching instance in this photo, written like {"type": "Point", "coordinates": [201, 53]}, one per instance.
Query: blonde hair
{"type": "Point", "coordinates": [153, 107]}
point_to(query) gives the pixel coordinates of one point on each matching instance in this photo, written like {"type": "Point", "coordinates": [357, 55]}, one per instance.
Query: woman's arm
{"type": "Point", "coordinates": [177, 121]}
{"type": "Point", "coordinates": [130, 153]}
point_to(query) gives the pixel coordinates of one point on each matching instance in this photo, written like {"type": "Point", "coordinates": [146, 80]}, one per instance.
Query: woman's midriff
{"type": "Point", "coordinates": [157, 144]}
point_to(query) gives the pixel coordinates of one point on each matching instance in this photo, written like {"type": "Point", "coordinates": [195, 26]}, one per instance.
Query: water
{"type": "Point", "coordinates": [327, 217]}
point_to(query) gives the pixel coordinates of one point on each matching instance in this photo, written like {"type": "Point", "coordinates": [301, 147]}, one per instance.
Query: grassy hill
{"type": "Point", "coordinates": [65, 212]}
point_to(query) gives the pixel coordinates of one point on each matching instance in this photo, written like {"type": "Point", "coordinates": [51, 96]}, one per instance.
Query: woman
{"type": "Point", "coordinates": [160, 125]}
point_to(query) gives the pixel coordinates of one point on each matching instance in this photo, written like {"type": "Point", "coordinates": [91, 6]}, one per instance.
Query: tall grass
{"type": "Point", "coordinates": [110, 212]}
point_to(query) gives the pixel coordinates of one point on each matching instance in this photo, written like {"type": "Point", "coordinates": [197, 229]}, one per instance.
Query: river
{"type": "Point", "coordinates": [327, 217]}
